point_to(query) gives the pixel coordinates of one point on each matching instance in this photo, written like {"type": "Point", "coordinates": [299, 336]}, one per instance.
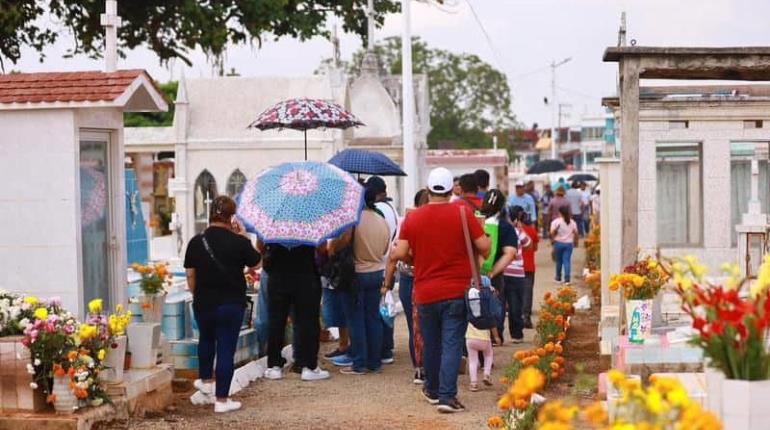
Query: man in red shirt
{"type": "Point", "coordinates": [529, 271]}
{"type": "Point", "coordinates": [433, 236]}
{"type": "Point", "coordinates": [469, 195]}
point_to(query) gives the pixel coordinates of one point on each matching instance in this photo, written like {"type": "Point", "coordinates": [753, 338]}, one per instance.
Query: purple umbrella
{"type": "Point", "coordinates": [304, 114]}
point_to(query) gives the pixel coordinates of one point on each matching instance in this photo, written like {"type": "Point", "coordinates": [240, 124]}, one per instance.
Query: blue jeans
{"type": "Point", "coordinates": [219, 329]}
{"type": "Point", "coordinates": [515, 298]}
{"type": "Point", "coordinates": [405, 288]}
{"type": "Point", "coordinates": [499, 285]}
{"type": "Point", "coordinates": [580, 225]}
{"type": "Point", "coordinates": [443, 326]}
{"type": "Point", "coordinates": [362, 312]}
{"type": "Point", "coordinates": [331, 309]}
{"type": "Point", "coordinates": [563, 259]}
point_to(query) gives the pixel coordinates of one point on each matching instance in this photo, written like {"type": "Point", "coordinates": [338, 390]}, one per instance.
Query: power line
{"type": "Point", "coordinates": [495, 53]}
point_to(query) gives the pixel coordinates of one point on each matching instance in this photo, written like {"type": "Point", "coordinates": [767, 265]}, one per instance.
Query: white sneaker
{"type": "Point", "coordinates": [204, 387]}
{"type": "Point", "coordinates": [314, 375]}
{"type": "Point", "coordinates": [199, 398]}
{"type": "Point", "coordinates": [226, 406]}
{"type": "Point", "coordinates": [274, 373]}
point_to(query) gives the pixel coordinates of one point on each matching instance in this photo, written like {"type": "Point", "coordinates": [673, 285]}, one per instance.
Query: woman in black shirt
{"type": "Point", "coordinates": [214, 263]}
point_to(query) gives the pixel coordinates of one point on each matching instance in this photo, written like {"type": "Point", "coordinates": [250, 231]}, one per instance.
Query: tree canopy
{"type": "Point", "coordinates": [172, 28]}
{"type": "Point", "coordinates": [468, 96]}
{"type": "Point", "coordinates": [155, 119]}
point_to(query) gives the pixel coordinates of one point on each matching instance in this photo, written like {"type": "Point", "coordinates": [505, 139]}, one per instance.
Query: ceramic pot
{"type": "Point", "coordinates": [744, 404]}
{"type": "Point", "coordinates": [114, 362]}
{"type": "Point", "coordinates": [639, 320]}
{"type": "Point", "coordinates": [65, 402]}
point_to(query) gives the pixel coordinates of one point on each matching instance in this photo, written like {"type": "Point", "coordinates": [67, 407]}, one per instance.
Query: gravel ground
{"type": "Point", "coordinates": [388, 400]}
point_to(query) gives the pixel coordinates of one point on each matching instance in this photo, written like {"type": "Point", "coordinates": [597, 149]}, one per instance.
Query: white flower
{"type": "Point", "coordinates": [37, 362]}
{"type": "Point", "coordinates": [24, 323]}
{"type": "Point", "coordinates": [30, 369]}
{"type": "Point", "coordinates": [33, 385]}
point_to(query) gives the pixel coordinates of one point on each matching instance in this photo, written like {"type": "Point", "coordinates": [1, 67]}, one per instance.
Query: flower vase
{"type": "Point", "coordinates": [639, 320]}
{"type": "Point", "coordinates": [114, 362]}
{"type": "Point", "coordinates": [64, 399]}
{"type": "Point", "coordinates": [152, 307]}
{"type": "Point", "coordinates": [744, 404]}
{"type": "Point", "coordinates": [714, 379]}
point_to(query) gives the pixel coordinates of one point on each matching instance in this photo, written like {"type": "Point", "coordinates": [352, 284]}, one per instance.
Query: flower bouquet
{"type": "Point", "coordinates": [154, 280]}
{"type": "Point", "coordinates": [640, 283]}
{"type": "Point", "coordinates": [16, 312]}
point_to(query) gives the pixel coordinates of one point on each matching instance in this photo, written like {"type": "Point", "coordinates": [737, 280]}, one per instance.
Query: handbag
{"type": "Point", "coordinates": [340, 268]}
{"type": "Point", "coordinates": [483, 308]}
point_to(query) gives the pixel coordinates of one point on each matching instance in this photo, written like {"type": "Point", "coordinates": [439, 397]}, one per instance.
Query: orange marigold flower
{"type": "Point", "coordinates": [562, 336]}
{"type": "Point", "coordinates": [558, 348]}
{"type": "Point", "coordinates": [541, 352]}
{"type": "Point", "coordinates": [505, 402]}
{"type": "Point", "coordinates": [554, 375]}
{"type": "Point", "coordinates": [519, 355]}
{"type": "Point", "coordinates": [547, 295]}
{"type": "Point", "coordinates": [521, 404]}
{"type": "Point", "coordinates": [495, 422]}
{"type": "Point", "coordinates": [554, 365]}
{"type": "Point", "coordinates": [559, 360]}
{"type": "Point", "coordinates": [549, 347]}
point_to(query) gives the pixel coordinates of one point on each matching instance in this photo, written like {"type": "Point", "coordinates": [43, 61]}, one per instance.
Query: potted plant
{"type": "Point", "coordinates": [152, 284]}
{"type": "Point", "coordinates": [110, 341]}
{"type": "Point", "coordinates": [640, 283]}
{"type": "Point", "coordinates": [732, 326]}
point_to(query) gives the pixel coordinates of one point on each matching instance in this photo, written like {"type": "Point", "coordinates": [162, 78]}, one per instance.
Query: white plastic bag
{"type": "Point", "coordinates": [389, 308]}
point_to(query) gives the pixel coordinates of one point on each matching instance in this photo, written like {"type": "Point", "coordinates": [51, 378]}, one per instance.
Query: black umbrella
{"type": "Point", "coordinates": [547, 166]}
{"type": "Point", "coordinates": [582, 177]}
{"type": "Point", "coordinates": [366, 162]}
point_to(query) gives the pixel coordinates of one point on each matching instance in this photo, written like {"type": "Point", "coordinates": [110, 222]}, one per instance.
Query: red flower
{"type": "Point", "coordinates": [699, 324]}
{"type": "Point", "coordinates": [718, 327]}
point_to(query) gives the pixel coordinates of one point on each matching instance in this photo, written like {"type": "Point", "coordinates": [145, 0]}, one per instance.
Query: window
{"type": "Point", "coordinates": [750, 124]}
{"type": "Point", "coordinates": [741, 154]}
{"type": "Point", "coordinates": [679, 194]}
{"type": "Point", "coordinates": [235, 183]}
{"type": "Point", "coordinates": [592, 133]}
{"type": "Point", "coordinates": [205, 192]}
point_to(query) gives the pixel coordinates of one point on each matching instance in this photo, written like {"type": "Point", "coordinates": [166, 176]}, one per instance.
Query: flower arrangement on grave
{"type": "Point", "coordinates": [664, 404]}
{"type": "Point", "coordinates": [517, 404]}
{"type": "Point", "coordinates": [554, 315]}
{"type": "Point", "coordinates": [641, 280]}
{"type": "Point", "coordinates": [154, 278]}
{"type": "Point", "coordinates": [593, 248]}
{"type": "Point", "coordinates": [49, 336]}
{"type": "Point", "coordinates": [16, 311]}
{"type": "Point", "coordinates": [732, 324]}
{"type": "Point", "coordinates": [118, 321]}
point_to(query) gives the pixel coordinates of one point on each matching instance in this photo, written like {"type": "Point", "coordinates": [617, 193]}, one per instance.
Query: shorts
{"type": "Point", "coordinates": [332, 310]}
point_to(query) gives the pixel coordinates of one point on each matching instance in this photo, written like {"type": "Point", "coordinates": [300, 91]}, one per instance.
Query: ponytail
{"type": "Point", "coordinates": [565, 214]}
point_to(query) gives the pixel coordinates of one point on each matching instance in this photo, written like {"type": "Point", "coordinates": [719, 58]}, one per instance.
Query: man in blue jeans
{"type": "Point", "coordinates": [434, 237]}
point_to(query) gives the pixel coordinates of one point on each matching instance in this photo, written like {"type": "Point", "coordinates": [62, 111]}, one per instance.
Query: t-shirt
{"type": "Point", "coordinates": [298, 260]}
{"type": "Point", "coordinates": [575, 198]}
{"type": "Point", "coordinates": [516, 268]}
{"type": "Point", "coordinates": [435, 236]}
{"type": "Point", "coordinates": [472, 202]}
{"type": "Point", "coordinates": [212, 286]}
{"type": "Point", "coordinates": [565, 233]}
{"type": "Point", "coordinates": [557, 202]}
{"type": "Point", "coordinates": [506, 236]}
{"type": "Point", "coordinates": [371, 242]}
{"type": "Point", "coordinates": [391, 217]}
{"type": "Point", "coordinates": [529, 253]}
{"type": "Point", "coordinates": [473, 333]}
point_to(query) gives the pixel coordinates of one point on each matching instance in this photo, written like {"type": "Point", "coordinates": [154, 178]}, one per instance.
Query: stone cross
{"type": "Point", "coordinates": [111, 22]}
{"type": "Point", "coordinates": [370, 26]}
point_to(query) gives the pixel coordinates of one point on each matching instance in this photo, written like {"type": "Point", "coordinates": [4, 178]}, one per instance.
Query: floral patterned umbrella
{"type": "Point", "coordinates": [301, 203]}
{"type": "Point", "coordinates": [304, 114]}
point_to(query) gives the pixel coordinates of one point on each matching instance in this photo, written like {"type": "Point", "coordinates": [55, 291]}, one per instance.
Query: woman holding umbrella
{"type": "Point", "coordinates": [214, 264]}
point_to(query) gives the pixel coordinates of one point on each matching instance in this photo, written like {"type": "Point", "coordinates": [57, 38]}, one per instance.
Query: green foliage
{"type": "Point", "coordinates": [173, 28]}
{"type": "Point", "coordinates": [155, 119]}
{"type": "Point", "coordinates": [467, 95]}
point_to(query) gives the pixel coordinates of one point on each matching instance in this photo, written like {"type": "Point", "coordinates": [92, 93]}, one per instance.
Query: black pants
{"type": "Point", "coordinates": [303, 291]}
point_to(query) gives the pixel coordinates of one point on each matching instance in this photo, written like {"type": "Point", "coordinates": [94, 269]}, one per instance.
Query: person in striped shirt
{"type": "Point", "coordinates": [514, 277]}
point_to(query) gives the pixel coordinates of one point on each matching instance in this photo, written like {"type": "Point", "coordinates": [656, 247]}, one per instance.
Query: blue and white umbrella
{"type": "Point", "coordinates": [301, 203]}
{"type": "Point", "coordinates": [366, 162]}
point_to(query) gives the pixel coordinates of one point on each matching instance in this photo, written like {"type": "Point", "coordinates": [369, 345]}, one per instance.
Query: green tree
{"type": "Point", "coordinates": [172, 28]}
{"type": "Point", "coordinates": [155, 119]}
{"type": "Point", "coordinates": [467, 95]}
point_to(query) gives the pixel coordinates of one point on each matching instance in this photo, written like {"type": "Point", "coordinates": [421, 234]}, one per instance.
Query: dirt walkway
{"type": "Point", "coordinates": [384, 401]}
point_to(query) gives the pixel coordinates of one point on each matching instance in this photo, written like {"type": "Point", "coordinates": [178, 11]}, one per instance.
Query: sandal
{"type": "Point", "coordinates": [473, 387]}
{"type": "Point", "coordinates": [488, 380]}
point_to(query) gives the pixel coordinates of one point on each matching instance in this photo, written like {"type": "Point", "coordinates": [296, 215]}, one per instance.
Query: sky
{"type": "Point", "coordinates": [525, 36]}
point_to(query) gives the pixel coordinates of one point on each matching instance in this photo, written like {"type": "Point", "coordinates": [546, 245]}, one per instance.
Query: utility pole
{"type": "Point", "coordinates": [407, 106]}
{"type": "Point", "coordinates": [555, 106]}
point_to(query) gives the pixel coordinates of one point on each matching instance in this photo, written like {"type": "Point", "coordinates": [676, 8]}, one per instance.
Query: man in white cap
{"type": "Point", "coordinates": [521, 198]}
{"type": "Point", "coordinates": [433, 236]}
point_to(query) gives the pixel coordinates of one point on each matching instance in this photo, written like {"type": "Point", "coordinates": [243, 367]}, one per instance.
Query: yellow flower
{"type": "Point", "coordinates": [531, 379]}
{"type": "Point", "coordinates": [119, 309]}
{"type": "Point", "coordinates": [616, 377]}
{"type": "Point", "coordinates": [87, 331]}
{"type": "Point", "coordinates": [596, 414]}
{"type": "Point", "coordinates": [95, 306]}
{"type": "Point", "coordinates": [102, 353]}
{"type": "Point", "coordinates": [654, 401]}
{"type": "Point", "coordinates": [41, 313]}
{"type": "Point", "coordinates": [678, 397]}
{"type": "Point", "coordinates": [31, 300]}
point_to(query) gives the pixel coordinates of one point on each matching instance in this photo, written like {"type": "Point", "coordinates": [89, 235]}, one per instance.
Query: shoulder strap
{"type": "Point", "coordinates": [217, 263]}
{"type": "Point", "coordinates": [475, 280]}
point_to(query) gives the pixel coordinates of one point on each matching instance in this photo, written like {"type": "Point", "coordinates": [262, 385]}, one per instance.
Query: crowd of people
{"type": "Point", "coordinates": [429, 253]}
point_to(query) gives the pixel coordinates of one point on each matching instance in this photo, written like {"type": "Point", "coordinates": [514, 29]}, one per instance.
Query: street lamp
{"type": "Point", "coordinates": [555, 104]}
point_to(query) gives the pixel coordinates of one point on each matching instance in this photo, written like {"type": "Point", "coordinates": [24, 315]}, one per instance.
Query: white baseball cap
{"type": "Point", "coordinates": [519, 183]}
{"type": "Point", "coordinates": [440, 180]}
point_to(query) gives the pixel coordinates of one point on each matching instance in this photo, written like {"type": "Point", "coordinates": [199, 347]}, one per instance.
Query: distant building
{"type": "Point", "coordinates": [695, 148]}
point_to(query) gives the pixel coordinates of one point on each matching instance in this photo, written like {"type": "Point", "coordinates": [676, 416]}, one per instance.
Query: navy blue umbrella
{"type": "Point", "coordinates": [366, 162]}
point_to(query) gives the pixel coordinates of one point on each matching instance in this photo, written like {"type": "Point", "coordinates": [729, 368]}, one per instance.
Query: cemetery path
{"type": "Point", "coordinates": [388, 400]}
